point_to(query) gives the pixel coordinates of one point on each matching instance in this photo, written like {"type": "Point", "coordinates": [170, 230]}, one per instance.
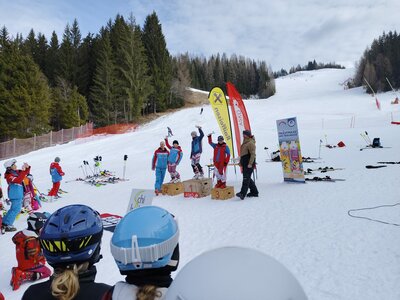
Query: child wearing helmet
{"type": "Point", "coordinates": [174, 158]}
{"type": "Point", "coordinates": [56, 176]}
{"type": "Point", "coordinates": [146, 250]}
{"type": "Point", "coordinates": [31, 262]}
{"type": "Point", "coordinates": [71, 240]}
{"type": "Point", "coordinates": [195, 153]}
{"type": "Point", "coordinates": [14, 179]}
{"type": "Point", "coordinates": [220, 159]}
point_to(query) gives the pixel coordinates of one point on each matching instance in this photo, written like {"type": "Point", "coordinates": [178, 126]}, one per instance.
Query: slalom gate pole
{"type": "Point", "coordinates": [370, 86]}
{"type": "Point", "coordinates": [124, 170]}
{"type": "Point", "coordinates": [391, 86]}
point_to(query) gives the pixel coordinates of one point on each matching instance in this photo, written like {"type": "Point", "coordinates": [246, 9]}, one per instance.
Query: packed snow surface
{"type": "Point", "coordinates": [304, 226]}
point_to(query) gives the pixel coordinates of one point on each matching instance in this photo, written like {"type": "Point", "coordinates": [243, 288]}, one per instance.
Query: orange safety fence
{"type": "Point", "coordinates": [111, 129]}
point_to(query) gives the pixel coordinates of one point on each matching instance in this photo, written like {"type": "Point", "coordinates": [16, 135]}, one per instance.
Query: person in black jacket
{"type": "Point", "coordinates": [248, 163]}
{"type": "Point", "coordinates": [71, 241]}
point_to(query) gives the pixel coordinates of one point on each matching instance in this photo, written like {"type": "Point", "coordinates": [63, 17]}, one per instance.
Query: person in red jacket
{"type": "Point", "coordinates": [56, 175]}
{"type": "Point", "coordinates": [1, 296]}
{"type": "Point", "coordinates": [221, 159]}
{"type": "Point", "coordinates": [31, 261]}
{"type": "Point", "coordinates": [14, 179]}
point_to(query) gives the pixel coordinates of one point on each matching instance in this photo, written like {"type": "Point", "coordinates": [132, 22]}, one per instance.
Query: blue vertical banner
{"type": "Point", "coordinates": [289, 146]}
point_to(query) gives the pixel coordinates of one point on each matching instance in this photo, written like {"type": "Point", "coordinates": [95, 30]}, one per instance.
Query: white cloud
{"type": "Point", "coordinates": [281, 32]}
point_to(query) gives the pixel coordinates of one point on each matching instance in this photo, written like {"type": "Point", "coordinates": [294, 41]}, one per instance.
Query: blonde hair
{"type": "Point", "coordinates": [148, 292]}
{"type": "Point", "coordinates": [65, 285]}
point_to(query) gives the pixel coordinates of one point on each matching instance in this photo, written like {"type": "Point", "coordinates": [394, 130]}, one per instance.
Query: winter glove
{"type": "Point", "coordinates": [209, 134]}
{"type": "Point", "coordinates": [225, 164]}
{"type": "Point", "coordinates": [250, 166]}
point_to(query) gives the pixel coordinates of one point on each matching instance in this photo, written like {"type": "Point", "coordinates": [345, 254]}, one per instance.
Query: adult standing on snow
{"type": "Point", "coordinates": [159, 164]}
{"type": "Point", "coordinates": [248, 163]}
{"type": "Point", "coordinates": [196, 153]}
{"type": "Point", "coordinates": [221, 158]}
{"type": "Point", "coordinates": [14, 179]}
{"type": "Point", "coordinates": [174, 158]}
{"type": "Point", "coordinates": [56, 175]}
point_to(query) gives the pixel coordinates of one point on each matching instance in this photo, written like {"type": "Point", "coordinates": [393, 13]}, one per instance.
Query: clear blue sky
{"type": "Point", "coordinates": [281, 32]}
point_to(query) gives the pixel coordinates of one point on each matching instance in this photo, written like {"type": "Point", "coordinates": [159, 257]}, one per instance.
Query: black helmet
{"type": "Point", "coordinates": [36, 220]}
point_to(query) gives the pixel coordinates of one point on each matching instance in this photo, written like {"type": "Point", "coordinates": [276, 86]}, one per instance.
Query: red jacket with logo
{"type": "Point", "coordinates": [28, 251]}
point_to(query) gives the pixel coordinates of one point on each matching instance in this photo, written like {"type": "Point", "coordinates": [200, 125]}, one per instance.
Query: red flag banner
{"type": "Point", "coordinates": [239, 114]}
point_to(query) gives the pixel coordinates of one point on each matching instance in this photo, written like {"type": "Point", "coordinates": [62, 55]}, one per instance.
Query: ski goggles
{"type": "Point", "coordinates": [70, 245]}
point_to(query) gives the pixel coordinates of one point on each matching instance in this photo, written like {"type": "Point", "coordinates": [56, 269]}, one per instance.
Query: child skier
{"type": "Point", "coordinates": [31, 199]}
{"type": "Point", "coordinates": [56, 175]}
{"type": "Point", "coordinates": [14, 179]}
{"type": "Point", "coordinates": [221, 159]}
{"type": "Point", "coordinates": [159, 164]}
{"type": "Point", "coordinates": [174, 158]}
{"type": "Point", "coordinates": [31, 262]}
{"type": "Point", "coordinates": [196, 153]}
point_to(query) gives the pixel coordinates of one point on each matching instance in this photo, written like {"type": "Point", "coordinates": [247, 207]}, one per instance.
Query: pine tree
{"type": "Point", "coordinates": [52, 60]}
{"type": "Point", "coordinates": [103, 89]}
{"type": "Point", "coordinates": [159, 61]}
{"type": "Point", "coordinates": [24, 96]}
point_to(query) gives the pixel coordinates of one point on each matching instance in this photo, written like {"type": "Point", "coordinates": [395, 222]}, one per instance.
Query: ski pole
{"type": "Point", "coordinates": [125, 159]}
{"type": "Point", "coordinates": [90, 168]}
{"type": "Point", "coordinates": [365, 138]}
{"type": "Point", "coordinates": [369, 140]}
{"type": "Point", "coordinates": [319, 151]}
{"type": "Point", "coordinates": [84, 174]}
{"type": "Point", "coordinates": [266, 149]}
{"type": "Point", "coordinates": [326, 139]}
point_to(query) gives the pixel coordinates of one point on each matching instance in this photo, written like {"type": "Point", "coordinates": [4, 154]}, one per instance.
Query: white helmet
{"type": "Point", "coordinates": [9, 163]}
{"type": "Point", "coordinates": [234, 273]}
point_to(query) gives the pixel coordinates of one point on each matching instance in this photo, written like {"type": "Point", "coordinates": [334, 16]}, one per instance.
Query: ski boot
{"type": "Point", "coordinates": [19, 276]}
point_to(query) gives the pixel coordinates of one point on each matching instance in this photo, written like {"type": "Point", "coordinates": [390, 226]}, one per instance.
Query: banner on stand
{"type": "Point", "coordinates": [140, 198]}
{"type": "Point", "coordinates": [289, 145]}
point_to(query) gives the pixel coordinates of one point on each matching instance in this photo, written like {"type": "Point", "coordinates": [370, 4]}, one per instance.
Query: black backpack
{"type": "Point", "coordinates": [376, 143]}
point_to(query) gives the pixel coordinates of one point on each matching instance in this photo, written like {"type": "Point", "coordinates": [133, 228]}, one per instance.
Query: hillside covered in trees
{"type": "Point", "coordinates": [380, 63]}
{"type": "Point", "coordinates": [114, 76]}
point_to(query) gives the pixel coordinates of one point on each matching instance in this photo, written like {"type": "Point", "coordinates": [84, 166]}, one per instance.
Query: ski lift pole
{"type": "Point", "coordinates": [125, 159]}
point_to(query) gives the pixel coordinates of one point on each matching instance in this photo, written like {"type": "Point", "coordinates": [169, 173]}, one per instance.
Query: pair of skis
{"type": "Point", "coordinates": [324, 179]}
{"type": "Point", "coordinates": [321, 170]}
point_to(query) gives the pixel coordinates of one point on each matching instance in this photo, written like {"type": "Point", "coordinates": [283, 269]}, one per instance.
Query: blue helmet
{"type": "Point", "coordinates": [72, 234]}
{"type": "Point", "coordinates": [146, 238]}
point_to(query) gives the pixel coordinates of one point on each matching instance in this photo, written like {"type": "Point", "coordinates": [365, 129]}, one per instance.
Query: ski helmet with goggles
{"type": "Point", "coordinates": [36, 220]}
{"type": "Point", "coordinates": [10, 163]}
{"type": "Point", "coordinates": [146, 238]}
{"type": "Point", "coordinates": [71, 235]}
{"type": "Point", "coordinates": [220, 138]}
